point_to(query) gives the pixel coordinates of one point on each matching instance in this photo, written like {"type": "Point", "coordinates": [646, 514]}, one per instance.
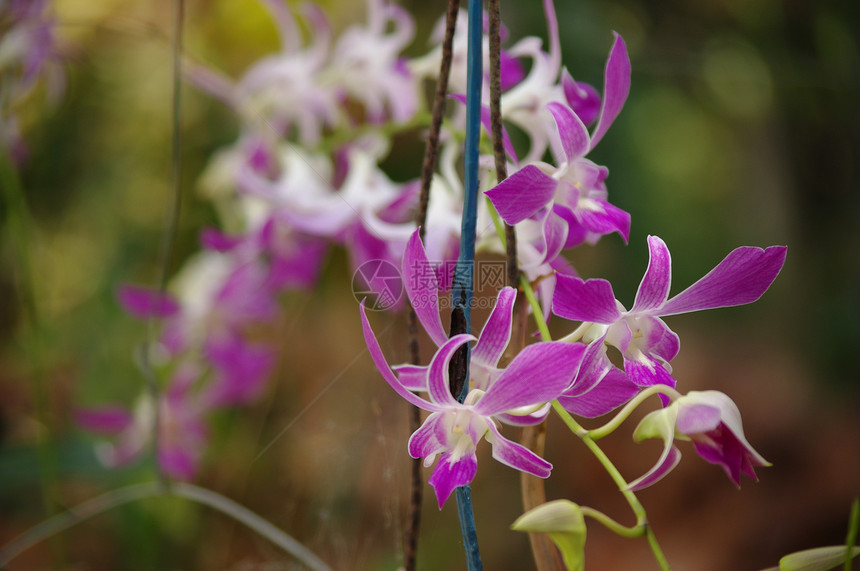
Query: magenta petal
{"type": "Point", "coordinates": [579, 300]}
{"type": "Point", "coordinates": [645, 371]}
{"type": "Point", "coordinates": [516, 455]}
{"type": "Point", "coordinates": [670, 458]}
{"type": "Point", "coordinates": [426, 442]}
{"type": "Point", "coordinates": [145, 302]}
{"type": "Point", "coordinates": [413, 377]}
{"type": "Point", "coordinates": [379, 360]}
{"type": "Point", "coordinates": [422, 288]}
{"type": "Point", "coordinates": [654, 288]}
{"type": "Point", "coordinates": [450, 474]}
{"type": "Point", "coordinates": [607, 220]}
{"type": "Point", "coordinates": [539, 373]}
{"type": "Point", "coordinates": [582, 98]}
{"type": "Point", "coordinates": [742, 277]}
{"type": "Point", "coordinates": [574, 135]}
{"type": "Point", "coordinates": [109, 419]}
{"type": "Point", "coordinates": [522, 194]}
{"type": "Point", "coordinates": [616, 87]}
{"type": "Point", "coordinates": [215, 239]}
{"type": "Point", "coordinates": [438, 380]}
{"type": "Point", "coordinates": [614, 390]}
{"type": "Point", "coordinates": [723, 449]}
{"type": "Point", "coordinates": [595, 365]}
{"type": "Point", "coordinates": [555, 233]}
{"type": "Point", "coordinates": [512, 71]}
{"type": "Point", "coordinates": [177, 462]}
{"type": "Point", "coordinates": [497, 331]}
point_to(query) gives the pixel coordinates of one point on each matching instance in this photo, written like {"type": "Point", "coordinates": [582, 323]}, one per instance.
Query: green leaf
{"type": "Point", "coordinates": [818, 559]}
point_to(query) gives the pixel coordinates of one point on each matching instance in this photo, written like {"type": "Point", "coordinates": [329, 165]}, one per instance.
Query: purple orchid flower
{"type": "Point", "coordinates": [575, 190]}
{"type": "Point", "coordinates": [422, 289]}
{"type": "Point", "coordinates": [537, 375]}
{"type": "Point", "coordinates": [644, 340]}
{"type": "Point", "coordinates": [713, 422]}
{"type": "Point", "coordinates": [182, 433]}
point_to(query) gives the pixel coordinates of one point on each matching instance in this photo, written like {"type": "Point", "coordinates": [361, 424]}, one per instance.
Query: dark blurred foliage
{"type": "Point", "coordinates": [741, 129]}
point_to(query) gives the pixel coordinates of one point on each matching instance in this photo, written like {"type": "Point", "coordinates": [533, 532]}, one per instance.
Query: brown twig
{"type": "Point", "coordinates": [545, 554]}
{"type": "Point", "coordinates": [431, 159]}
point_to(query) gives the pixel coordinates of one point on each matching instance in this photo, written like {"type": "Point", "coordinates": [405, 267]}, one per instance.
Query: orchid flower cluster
{"type": "Point", "coordinates": [304, 176]}
{"type": "Point", "coordinates": [28, 52]}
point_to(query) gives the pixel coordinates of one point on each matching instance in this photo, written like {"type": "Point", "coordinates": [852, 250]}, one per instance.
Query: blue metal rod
{"type": "Point", "coordinates": [462, 290]}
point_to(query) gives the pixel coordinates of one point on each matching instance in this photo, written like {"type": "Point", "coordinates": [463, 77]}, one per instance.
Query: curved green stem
{"type": "Point", "coordinates": [611, 524]}
{"type": "Point", "coordinates": [632, 500]}
{"type": "Point", "coordinates": [609, 427]}
{"type": "Point", "coordinates": [584, 435]}
{"type": "Point", "coordinates": [536, 308]}
{"type": "Point", "coordinates": [116, 498]}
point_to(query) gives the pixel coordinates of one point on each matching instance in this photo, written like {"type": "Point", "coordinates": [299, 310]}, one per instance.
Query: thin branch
{"type": "Point", "coordinates": [431, 159]}
{"type": "Point", "coordinates": [128, 494]}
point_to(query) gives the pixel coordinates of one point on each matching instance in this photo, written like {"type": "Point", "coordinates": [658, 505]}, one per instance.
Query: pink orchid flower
{"type": "Point", "coordinates": [646, 343]}
{"type": "Point", "coordinates": [712, 421]}
{"type": "Point", "coordinates": [538, 374]}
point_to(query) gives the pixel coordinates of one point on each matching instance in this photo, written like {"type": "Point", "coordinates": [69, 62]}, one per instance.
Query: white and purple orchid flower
{"type": "Point", "coordinates": [713, 422]}
{"type": "Point", "coordinates": [538, 374]}
{"type": "Point", "coordinates": [575, 190]}
{"type": "Point", "coordinates": [182, 433]}
{"type": "Point", "coordinates": [644, 340]}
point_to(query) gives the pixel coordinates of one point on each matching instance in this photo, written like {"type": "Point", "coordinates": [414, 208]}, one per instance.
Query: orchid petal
{"type": "Point", "coordinates": [413, 377]}
{"type": "Point", "coordinates": [522, 194]}
{"type": "Point", "coordinates": [177, 462]}
{"type": "Point", "coordinates": [422, 288]}
{"type": "Point", "coordinates": [605, 220]}
{"type": "Point", "coordinates": [616, 87]}
{"type": "Point", "coordinates": [613, 390]}
{"type": "Point", "coordinates": [496, 334]}
{"type": "Point", "coordinates": [438, 375]}
{"type": "Point", "coordinates": [574, 135]}
{"type": "Point", "coordinates": [654, 287]}
{"type": "Point", "coordinates": [379, 360]}
{"type": "Point", "coordinates": [516, 455]}
{"type": "Point", "coordinates": [450, 474]}
{"type": "Point", "coordinates": [698, 417]}
{"type": "Point", "coordinates": [658, 424]}
{"type": "Point", "coordinates": [742, 277]}
{"type": "Point", "coordinates": [667, 462]}
{"type": "Point", "coordinates": [107, 419]}
{"type": "Point", "coordinates": [145, 302]}
{"type": "Point", "coordinates": [591, 300]}
{"type": "Point", "coordinates": [539, 373]}
{"type": "Point", "coordinates": [645, 371]}
{"type": "Point", "coordinates": [582, 98]}
{"type": "Point", "coordinates": [425, 442]}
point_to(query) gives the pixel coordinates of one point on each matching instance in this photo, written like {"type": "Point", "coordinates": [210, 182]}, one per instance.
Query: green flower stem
{"type": "Point", "coordinates": [128, 494]}
{"type": "Point", "coordinates": [609, 427]}
{"type": "Point", "coordinates": [536, 308]}
{"type": "Point", "coordinates": [611, 524]}
{"type": "Point", "coordinates": [584, 435]}
{"type": "Point", "coordinates": [632, 500]}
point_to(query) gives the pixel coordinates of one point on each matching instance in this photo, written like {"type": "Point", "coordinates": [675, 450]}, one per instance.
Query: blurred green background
{"type": "Point", "coordinates": [741, 128]}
